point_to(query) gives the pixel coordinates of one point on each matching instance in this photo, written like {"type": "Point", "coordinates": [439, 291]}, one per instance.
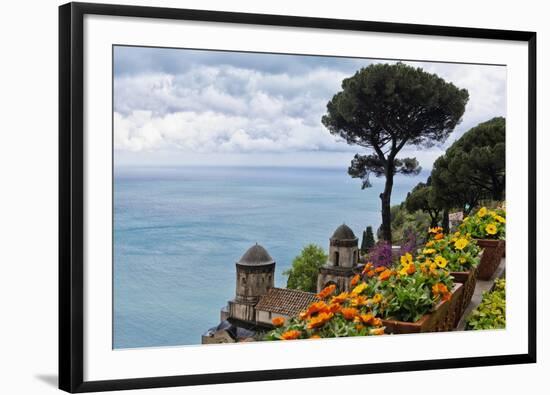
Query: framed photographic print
{"type": "Point", "coordinates": [259, 197]}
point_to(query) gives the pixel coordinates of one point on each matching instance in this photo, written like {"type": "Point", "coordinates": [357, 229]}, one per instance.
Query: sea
{"type": "Point", "coordinates": [178, 232]}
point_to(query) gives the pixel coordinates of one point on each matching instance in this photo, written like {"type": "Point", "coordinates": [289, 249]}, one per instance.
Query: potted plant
{"type": "Point", "coordinates": [489, 228]}
{"type": "Point", "coordinates": [461, 256]}
{"type": "Point", "coordinates": [416, 295]}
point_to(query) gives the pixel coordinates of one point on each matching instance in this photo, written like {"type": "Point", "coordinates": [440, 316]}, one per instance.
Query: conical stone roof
{"type": "Point", "coordinates": [256, 256]}
{"type": "Point", "coordinates": [343, 232]}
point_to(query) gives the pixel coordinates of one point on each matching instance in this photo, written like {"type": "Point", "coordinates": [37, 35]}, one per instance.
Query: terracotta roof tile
{"type": "Point", "coordinates": [285, 301]}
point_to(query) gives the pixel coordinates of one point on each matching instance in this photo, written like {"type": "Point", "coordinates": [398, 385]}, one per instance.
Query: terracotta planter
{"type": "Point", "coordinates": [468, 280]}
{"type": "Point", "coordinates": [442, 319]}
{"type": "Point", "coordinates": [490, 257]}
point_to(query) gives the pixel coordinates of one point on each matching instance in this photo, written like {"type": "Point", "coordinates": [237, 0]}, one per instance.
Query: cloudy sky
{"type": "Point", "coordinates": [190, 107]}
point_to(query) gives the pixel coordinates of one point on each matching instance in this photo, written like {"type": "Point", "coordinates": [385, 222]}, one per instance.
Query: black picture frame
{"type": "Point", "coordinates": [71, 195]}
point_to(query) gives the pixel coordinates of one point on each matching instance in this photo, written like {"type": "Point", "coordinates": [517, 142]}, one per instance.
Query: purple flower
{"type": "Point", "coordinates": [381, 254]}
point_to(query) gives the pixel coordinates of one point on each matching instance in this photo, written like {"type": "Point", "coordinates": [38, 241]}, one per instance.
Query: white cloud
{"type": "Point", "coordinates": [235, 110]}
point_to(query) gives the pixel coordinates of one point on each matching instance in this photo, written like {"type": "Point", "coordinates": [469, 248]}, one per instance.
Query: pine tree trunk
{"type": "Point", "coordinates": [385, 197]}
{"type": "Point", "coordinates": [445, 221]}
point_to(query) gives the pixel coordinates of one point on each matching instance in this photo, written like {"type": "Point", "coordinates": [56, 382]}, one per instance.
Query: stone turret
{"type": "Point", "coordinates": [342, 260]}
{"type": "Point", "coordinates": [255, 276]}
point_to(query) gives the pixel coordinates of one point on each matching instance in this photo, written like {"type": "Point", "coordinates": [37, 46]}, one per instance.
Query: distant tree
{"type": "Point", "coordinates": [305, 268]}
{"type": "Point", "coordinates": [422, 197]}
{"type": "Point", "coordinates": [473, 167]}
{"type": "Point", "coordinates": [368, 240]}
{"type": "Point", "coordinates": [383, 108]}
{"type": "Point", "coordinates": [451, 190]}
{"type": "Point", "coordinates": [479, 157]}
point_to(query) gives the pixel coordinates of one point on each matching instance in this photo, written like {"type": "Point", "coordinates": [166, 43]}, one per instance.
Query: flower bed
{"type": "Point", "coordinates": [343, 315]}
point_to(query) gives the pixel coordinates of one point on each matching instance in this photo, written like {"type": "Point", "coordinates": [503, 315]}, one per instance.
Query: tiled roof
{"type": "Point", "coordinates": [285, 301]}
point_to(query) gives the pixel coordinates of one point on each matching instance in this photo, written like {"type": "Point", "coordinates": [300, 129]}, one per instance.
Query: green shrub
{"type": "Point", "coordinates": [403, 223]}
{"type": "Point", "coordinates": [491, 312]}
{"type": "Point", "coordinates": [305, 268]}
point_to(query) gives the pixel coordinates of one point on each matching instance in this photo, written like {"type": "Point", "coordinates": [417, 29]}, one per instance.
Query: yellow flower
{"type": "Point", "coordinates": [406, 259]}
{"type": "Point", "coordinates": [428, 251]}
{"type": "Point", "coordinates": [462, 260]}
{"type": "Point", "coordinates": [461, 243]}
{"type": "Point", "coordinates": [359, 301]}
{"type": "Point", "coordinates": [377, 331]}
{"type": "Point", "coordinates": [440, 261]}
{"type": "Point", "coordinates": [491, 229]}
{"type": "Point", "coordinates": [500, 219]}
{"type": "Point", "coordinates": [482, 212]}
{"type": "Point", "coordinates": [377, 298]}
{"type": "Point", "coordinates": [409, 268]}
{"type": "Point", "coordinates": [358, 289]}
{"type": "Point", "coordinates": [340, 298]}
{"type": "Point", "coordinates": [437, 229]}
{"type": "Point", "coordinates": [430, 243]}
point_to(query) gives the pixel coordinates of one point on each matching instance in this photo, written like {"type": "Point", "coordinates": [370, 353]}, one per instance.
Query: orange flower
{"type": "Point", "coordinates": [446, 296]}
{"type": "Point", "coordinates": [319, 320]}
{"type": "Point", "coordinates": [334, 308]}
{"type": "Point", "coordinates": [377, 331]}
{"type": "Point", "coordinates": [385, 275]}
{"type": "Point", "coordinates": [411, 269]}
{"type": "Point", "coordinates": [380, 269]}
{"type": "Point", "coordinates": [327, 291]}
{"type": "Point", "coordinates": [278, 321]}
{"type": "Point", "coordinates": [371, 273]}
{"type": "Point", "coordinates": [367, 318]}
{"type": "Point", "coordinates": [438, 236]}
{"type": "Point", "coordinates": [367, 268]}
{"type": "Point", "coordinates": [316, 308]}
{"type": "Point", "coordinates": [376, 322]}
{"type": "Point", "coordinates": [355, 280]}
{"type": "Point", "coordinates": [359, 327]}
{"type": "Point", "coordinates": [359, 300]}
{"type": "Point", "coordinates": [439, 289]}
{"type": "Point", "coordinates": [315, 336]}
{"type": "Point", "coordinates": [291, 335]}
{"type": "Point", "coordinates": [341, 298]}
{"type": "Point", "coordinates": [349, 313]}
{"type": "Point", "coordinates": [437, 229]}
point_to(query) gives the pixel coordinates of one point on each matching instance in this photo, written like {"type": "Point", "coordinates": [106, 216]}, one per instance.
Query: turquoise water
{"type": "Point", "coordinates": [179, 231]}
